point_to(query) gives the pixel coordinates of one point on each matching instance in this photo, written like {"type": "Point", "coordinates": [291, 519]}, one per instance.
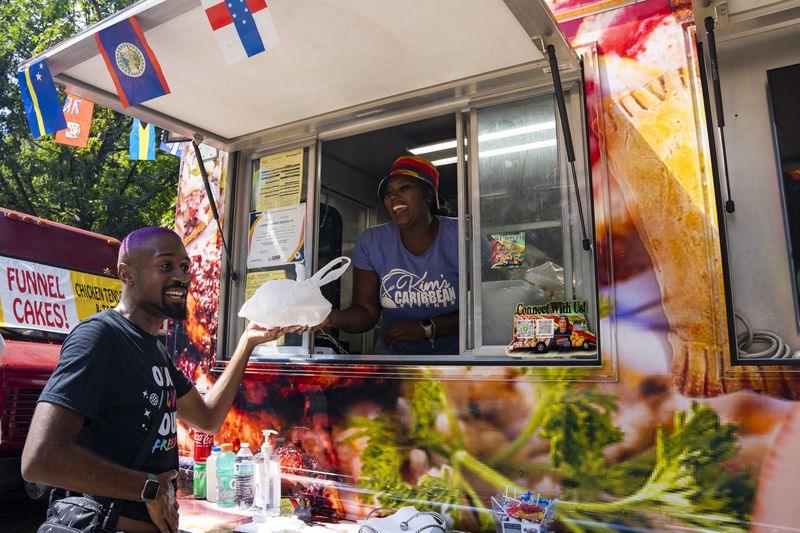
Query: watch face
{"type": "Point", "coordinates": [150, 490]}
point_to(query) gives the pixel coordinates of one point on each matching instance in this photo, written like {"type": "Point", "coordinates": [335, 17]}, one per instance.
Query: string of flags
{"type": "Point", "coordinates": [242, 28]}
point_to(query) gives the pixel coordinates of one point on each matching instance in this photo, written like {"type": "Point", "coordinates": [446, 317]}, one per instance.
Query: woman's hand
{"type": "Point", "coordinates": [404, 330]}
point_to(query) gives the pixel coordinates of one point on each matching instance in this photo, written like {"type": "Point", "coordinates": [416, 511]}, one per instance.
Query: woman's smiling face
{"type": "Point", "coordinates": [407, 199]}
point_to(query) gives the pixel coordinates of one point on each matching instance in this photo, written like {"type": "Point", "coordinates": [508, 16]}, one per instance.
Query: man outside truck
{"type": "Point", "coordinates": [114, 380]}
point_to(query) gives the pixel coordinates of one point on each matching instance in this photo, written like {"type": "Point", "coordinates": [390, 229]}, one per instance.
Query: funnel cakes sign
{"type": "Point", "coordinates": [46, 298]}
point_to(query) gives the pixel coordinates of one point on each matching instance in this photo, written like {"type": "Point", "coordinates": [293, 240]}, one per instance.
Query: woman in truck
{"type": "Point", "coordinates": [407, 269]}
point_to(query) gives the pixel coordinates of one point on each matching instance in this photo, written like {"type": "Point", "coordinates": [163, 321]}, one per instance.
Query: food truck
{"type": "Point", "coordinates": [51, 277]}
{"type": "Point", "coordinates": [584, 151]}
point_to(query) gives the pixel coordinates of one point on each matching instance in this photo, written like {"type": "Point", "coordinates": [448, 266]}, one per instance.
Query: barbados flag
{"type": "Point", "coordinates": [42, 106]}
{"type": "Point", "coordinates": [143, 141]}
{"type": "Point", "coordinates": [132, 64]}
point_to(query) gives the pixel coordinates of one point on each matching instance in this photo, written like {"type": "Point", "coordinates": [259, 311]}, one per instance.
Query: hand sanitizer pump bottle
{"type": "Point", "coordinates": [264, 482]}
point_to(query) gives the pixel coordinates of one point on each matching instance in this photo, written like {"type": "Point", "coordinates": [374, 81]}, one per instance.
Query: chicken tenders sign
{"type": "Point", "coordinates": [36, 296]}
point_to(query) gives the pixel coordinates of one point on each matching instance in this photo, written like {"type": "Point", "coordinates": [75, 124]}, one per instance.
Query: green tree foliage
{"type": "Point", "coordinates": [96, 188]}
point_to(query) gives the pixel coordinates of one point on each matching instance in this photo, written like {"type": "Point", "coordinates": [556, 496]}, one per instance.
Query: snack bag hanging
{"type": "Point", "coordinates": [286, 302]}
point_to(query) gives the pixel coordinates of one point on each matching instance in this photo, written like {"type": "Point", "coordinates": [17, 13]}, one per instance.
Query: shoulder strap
{"type": "Point", "coordinates": [110, 521]}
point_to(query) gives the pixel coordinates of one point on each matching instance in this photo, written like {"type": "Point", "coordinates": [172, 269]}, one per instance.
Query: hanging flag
{"type": "Point", "coordinates": [39, 95]}
{"type": "Point", "coordinates": [143, 141]}
{"type": "Point", "coordinates": [243, 28]}
{"type": "Point", "coordinates": [78, 112]}
{"type": "Point", "coordinates": [172, 148]}
{"type": "Point", "coordinates": [132, 64]}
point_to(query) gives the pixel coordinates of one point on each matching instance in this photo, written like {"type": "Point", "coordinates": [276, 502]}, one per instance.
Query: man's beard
{"type": "Point", "coordinates": [173, 311]}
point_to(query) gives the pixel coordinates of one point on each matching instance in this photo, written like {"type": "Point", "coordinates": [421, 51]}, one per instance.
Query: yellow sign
{"type": "Point", "coordinates": [94, 293]}
{"type": "Point", "coordinates": [278, 180]}
{"type": "Point", "coordinates": [253, 282]}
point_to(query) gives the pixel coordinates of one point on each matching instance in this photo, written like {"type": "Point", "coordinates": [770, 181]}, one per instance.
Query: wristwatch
{"type": "Point", "coordinates": [150, 488]}
{"type": "Point", "coordinates": [427, 325]}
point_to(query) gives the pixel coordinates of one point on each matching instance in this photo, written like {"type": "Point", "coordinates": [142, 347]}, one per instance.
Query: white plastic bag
{"type": "Point", "coordinates": [286, 302]}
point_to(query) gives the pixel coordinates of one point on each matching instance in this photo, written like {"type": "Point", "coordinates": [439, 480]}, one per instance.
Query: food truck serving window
{"type": "Point", "coordinates": [505, 279]}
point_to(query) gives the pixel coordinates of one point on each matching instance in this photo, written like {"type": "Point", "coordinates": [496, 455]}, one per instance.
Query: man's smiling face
{"type": "Point", "coordinates": [161, 277]}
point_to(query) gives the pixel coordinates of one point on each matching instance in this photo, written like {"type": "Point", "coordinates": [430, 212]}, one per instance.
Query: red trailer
{"type": "Point", "coordinates": [51, 277]}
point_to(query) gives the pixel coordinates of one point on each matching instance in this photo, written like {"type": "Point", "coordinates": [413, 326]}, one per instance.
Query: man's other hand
{"type": "Point", "coordinates": [164, 509]}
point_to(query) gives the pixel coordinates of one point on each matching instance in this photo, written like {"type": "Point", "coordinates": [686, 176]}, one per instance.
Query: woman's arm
{"type": "Point", "coordinates": [364, 312]}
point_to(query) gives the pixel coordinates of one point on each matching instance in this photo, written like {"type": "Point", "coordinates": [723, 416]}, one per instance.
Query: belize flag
{"type": "Point", "coordinates": [142, 141]}
{"type": "Point", "coordinates": [42, 107]}
{"type": "Point", "coordinates": [243, 28]}
{"type": "Point", "coordinates": [132, 64]}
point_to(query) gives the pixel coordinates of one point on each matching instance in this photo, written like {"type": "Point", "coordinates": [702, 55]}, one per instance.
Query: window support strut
{"type": "Point", "coordinates": [212, 202]}
{"type": "Point", "coordinates": [566, 133]}
{"type": "Point", "coordinates": [730, 207]}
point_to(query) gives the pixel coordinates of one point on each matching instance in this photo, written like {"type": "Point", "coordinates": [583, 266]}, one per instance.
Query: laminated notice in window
{"type": "Point", "coordinates": [278, 180]}
{"type": "Point", "coordinates": [276, 237]}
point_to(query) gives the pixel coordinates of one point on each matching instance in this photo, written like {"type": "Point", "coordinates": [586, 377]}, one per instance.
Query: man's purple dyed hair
{"type": "Point", "coordinates": [138, 238]}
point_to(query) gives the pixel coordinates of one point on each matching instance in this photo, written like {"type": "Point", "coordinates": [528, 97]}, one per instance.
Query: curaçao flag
{"type": "Point", "coordinates": [243, 28]}
{"type": "Point", "coordinates": [132, 64]}
{"type": "Point", "coordinates": [143, 141]}
{"type": "Point", "coordinates": [42, 107]}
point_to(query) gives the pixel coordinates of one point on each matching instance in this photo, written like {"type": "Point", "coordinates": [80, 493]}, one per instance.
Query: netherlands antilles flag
{"type": "Point", "coordinates": [42, 107]}
{"type": "Point", "coordinates": [143, 141]}
{"type": "Point", "coordinates": [132, 64]}
{"type": "Point", "coordinates": [243, 28]}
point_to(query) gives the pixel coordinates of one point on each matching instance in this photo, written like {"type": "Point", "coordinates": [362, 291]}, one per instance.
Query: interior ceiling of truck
{"type": "Point", "coordinates": [371, 154]}
{"type": "Point", "coordinates": [332, 55]}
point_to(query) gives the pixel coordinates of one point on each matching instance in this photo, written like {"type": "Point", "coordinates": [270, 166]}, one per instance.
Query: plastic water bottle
{"type": "Point", "coordinates": [245, 478]}
{"type": "Point", "coordinates": [225, 476]}
{"type": "Point", "coordinates": [212, 490]}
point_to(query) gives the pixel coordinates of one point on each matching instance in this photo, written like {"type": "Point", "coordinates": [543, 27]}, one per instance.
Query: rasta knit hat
{"type": "Point", "coordinates": [416, 167]}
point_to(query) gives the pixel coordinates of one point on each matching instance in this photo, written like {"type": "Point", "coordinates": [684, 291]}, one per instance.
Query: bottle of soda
{"type": "Point", "coordinates": [199, 481]}
{"type": "Point", "coordinates": [202, 441]}
{"type": "Point", "coordinates": [245, 479]}
{"type": "Point", "coordinates": [225, 473]}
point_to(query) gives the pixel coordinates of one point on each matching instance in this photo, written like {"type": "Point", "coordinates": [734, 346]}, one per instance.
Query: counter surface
{"type": "Point", "coordinates": [200, 516]}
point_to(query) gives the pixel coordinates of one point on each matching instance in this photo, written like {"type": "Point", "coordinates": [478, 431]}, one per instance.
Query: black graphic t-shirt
{"type": "Point", "coordinates": [120, 378]}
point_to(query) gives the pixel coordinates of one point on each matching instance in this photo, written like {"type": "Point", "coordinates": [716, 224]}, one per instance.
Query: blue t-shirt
{"type": "Point", "coordinates": [413, 287]}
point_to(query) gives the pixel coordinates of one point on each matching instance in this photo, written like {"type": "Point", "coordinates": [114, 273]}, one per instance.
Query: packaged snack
{"type": "Point", "coordinates": [527, 514]}
{"type": "Point", "coordinates": [508, 250]}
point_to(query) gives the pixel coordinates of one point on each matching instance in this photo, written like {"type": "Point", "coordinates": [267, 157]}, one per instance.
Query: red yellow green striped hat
{"type": "Point", "coordinates": [416, 167]}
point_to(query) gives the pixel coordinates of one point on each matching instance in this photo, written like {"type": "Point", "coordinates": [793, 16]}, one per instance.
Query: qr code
{"type": "Point", "coordinates": [545, 327]}
{"type": "Point", "coordinates": [525, 329]}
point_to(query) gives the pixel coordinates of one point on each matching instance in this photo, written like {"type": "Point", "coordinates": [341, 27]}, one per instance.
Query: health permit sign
{"type": "Point", "coordinates": [47, 298]}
